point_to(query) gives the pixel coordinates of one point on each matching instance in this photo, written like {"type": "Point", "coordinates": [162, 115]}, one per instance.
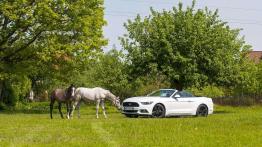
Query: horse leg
{"type": "Point", "coordinates": [73, 109]}
{"type": "Point", "coordinates": [51, 108]}
{"type": "Point", "coordinates": [67, 110]}
{"type": "Point", "coordinates": [103, 107]}
{"type": "Point", "coordinates": [78, 107]}
{"type": "Point", "coordinates": [70, 109]}
{"type": "Point", "coordinates": [97, 107]}
{"type": "Point", "coordinates": [59, 107]}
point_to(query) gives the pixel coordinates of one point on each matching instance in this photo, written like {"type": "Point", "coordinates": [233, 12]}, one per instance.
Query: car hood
{"type": "Point", "coordinates": [141, 99]}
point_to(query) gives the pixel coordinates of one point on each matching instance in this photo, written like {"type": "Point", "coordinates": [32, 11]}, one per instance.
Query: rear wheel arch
{"type": "Point", "coordinates": [203, 104]}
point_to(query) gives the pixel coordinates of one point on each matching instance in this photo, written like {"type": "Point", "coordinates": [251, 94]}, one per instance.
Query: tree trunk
{"type": "Point", "coordinates": [177, 85]}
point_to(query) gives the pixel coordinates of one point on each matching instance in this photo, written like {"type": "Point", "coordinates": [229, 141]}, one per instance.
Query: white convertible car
{"type": "Point", "coordinates": [167, 102]}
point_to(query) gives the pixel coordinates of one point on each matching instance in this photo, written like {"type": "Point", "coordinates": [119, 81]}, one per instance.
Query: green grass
{"type": "Point", "coordinates": [229, 126]}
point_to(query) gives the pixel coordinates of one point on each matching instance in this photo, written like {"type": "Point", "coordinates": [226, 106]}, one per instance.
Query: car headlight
{"type": "Point", "coordinates": [147, 103]}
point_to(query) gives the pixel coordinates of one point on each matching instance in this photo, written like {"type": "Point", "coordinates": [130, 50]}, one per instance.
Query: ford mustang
{"type": "Point", "coordinates": [167, 102]}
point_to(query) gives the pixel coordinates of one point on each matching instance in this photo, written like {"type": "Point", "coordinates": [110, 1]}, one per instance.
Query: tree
{"type": "Point", "coordinates": [259, 79]}
{"type": "Point", "coordinates": [108, 71]}
{"type": "Point", "coordinates": [247, 82]}
{"type": "Point", "coordinates": [47, 38]}
{"type": "Point", "coordinates": [192, 47]}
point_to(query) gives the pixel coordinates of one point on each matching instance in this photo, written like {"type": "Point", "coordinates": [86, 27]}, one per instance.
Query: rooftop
{"type": "Point", "coordinates": [256, 56]}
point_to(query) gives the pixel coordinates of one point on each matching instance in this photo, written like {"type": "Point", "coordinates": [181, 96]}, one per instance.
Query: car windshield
{"type": "Point", "coordinates": [162, 93]}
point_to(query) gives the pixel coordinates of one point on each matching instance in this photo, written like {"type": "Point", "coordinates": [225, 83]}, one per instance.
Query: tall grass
{"type": "Point", "coordinates": [229, 126]}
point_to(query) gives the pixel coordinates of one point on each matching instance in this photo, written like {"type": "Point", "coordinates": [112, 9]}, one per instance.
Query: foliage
{"type": "Point", "coordinates": [9, 95]}
{"type": "Point", "coordinates": [107, 71]}
{"type": "Point", "coordinates": [247, 78]}
{"type": "Point", "coordinates": [111, 71]}
{"type": "Point", "coordinates": [191, 47]}
{"type": "Point", "coordinates": [50, 30]}
{"type": "Point", "coordinates": [208, 91]}
{"type": "Point", "coordinates": [259, 77]}
{"type": "Point", "coordinates": [47, 41]}
{"type": "Point", "coordinates": [145, 85]}
{"type": "Point", "coordinates": [15, 89]}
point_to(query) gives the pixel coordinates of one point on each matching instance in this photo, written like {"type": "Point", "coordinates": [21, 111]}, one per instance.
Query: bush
{"type": "Point", "coordinates": [10, 96]}
{"type": "Point", "coordinates": [15, 89]}
{"type": "Point", "coordinates": [208, 91]}
{"type": "Point", "coordinates": [236, 101]}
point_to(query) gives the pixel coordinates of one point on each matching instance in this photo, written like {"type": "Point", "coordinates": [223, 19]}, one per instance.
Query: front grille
{"type": "Point", "coordinates": [131, 111]}
{"type": "Point", "coordinates": [130, 104]}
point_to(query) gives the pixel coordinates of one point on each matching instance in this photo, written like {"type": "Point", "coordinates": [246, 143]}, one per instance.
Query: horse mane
{"type": "Point", "coordinates": [111, 95]}
{"type": "Point", "coordinates": [67, 90]}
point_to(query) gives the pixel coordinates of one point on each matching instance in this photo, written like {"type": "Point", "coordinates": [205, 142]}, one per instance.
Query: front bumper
{"type": "Point", "coordinates": [140, 110]}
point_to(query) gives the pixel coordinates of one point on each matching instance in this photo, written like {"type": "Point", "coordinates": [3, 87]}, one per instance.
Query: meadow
{"type": "Point", "coordinates": [228, 126]}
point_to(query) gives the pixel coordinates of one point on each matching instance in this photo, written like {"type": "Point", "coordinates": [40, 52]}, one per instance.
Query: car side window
{"type": "Point", "coordinates": [183, 94]}
{"type": "Point", "coordinates": [189, 94]}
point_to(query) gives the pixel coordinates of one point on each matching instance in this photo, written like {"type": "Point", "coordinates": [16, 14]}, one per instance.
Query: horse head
{"type": "Point", "coordinates": [71, 91]}
{"type": "Point", "coordinates": [117, 103]}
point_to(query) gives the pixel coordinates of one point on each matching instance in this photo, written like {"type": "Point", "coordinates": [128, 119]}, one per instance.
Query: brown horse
{"type": "Point", "coordinates": [62, 96]}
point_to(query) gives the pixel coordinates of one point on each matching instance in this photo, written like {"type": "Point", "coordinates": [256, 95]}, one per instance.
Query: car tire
{"type": "Point", "coordinates": [159, 111]}
{"type": "Point", "coordinates": [202, 110]}
{"type": "Point", "coordinates": [131, 115]}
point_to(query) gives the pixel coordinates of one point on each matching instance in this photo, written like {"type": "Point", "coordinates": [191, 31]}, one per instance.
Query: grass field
{"type": "Point", "coordinates": [229, 126]}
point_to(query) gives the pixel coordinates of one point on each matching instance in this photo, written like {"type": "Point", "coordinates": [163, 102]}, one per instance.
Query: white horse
{"type": "Point", "coordinates": [94, 94]}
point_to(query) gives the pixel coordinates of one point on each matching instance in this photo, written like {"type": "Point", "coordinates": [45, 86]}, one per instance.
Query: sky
{"type": "Point", "coordinates": [243, 14]}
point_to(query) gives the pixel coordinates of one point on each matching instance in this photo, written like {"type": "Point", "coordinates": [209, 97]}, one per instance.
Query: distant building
{"type": "Point", "coordinates": [256, 56]}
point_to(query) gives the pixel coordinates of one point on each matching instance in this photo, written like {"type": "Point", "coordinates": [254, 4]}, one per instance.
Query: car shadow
{"type": "Point", "coordinates": [217, 112]}
{"type": "Point", "coordinates": [222, 112]}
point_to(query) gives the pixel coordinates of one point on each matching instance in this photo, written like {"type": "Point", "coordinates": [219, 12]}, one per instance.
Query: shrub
{"type": "Point", "coordinates": [15, 89]}
{"type": "Point", "coordinates": [9, 94]}
{"type": "Point", "coordinates": [208, 91]}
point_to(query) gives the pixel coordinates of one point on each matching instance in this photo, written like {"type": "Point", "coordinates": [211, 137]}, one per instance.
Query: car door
{"type": "Point", "coordinates": [182, 103]}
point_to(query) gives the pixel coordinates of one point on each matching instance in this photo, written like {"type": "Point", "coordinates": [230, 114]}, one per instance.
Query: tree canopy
{"type": "Point", "coordinates": [192, 47]}
{"type": "Point", "coordinates": [48, 38]}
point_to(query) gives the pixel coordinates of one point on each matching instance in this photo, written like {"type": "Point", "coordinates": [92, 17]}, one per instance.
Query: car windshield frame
{"type": "Point", "coordinates": [162, 93]}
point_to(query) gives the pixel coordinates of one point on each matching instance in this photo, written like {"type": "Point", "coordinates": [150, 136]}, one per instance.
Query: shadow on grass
{"type": "Point", "coordinates": [188, 116]}
{"type": "Point", "coordinates": [46, 110]}
{"type": "Point", "coordinates": [26, 111]}
{"type": "Point", "coordinates": [222, 112]}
